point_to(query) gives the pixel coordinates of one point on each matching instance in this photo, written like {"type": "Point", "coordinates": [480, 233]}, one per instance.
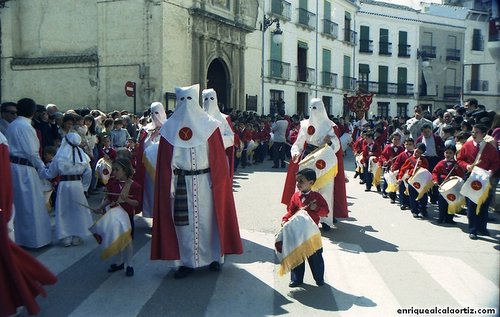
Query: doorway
{"type": "Point", "coordinates": [217, 79]}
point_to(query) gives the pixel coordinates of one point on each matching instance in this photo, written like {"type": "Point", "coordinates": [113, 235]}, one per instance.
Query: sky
{"type": "Point", "coordinates": [415, 4]}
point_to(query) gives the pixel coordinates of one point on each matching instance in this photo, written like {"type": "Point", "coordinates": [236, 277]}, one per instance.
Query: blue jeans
{"type": "Point", "coordinates": [477, 223]}
{"type": "Point", "coordinates": [317, 268]}
{"type": "Point", "coordinates": [417, 206]}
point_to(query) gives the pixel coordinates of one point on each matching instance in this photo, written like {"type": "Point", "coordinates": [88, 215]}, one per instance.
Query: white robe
{"type": "Point", "coordinates": [149, 161]}
{"type": "Point", "coordinates": [32, 223]}
{"type": "Point", "coordinates": [71, 219]}
{"type": "Point", "coordinates": [199, 242]}
{"type": "Point", "coordinates": [326, 191]}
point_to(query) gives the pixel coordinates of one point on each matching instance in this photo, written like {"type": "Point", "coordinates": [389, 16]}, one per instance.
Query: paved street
{"type": "Point", "coordinates": [377, 261]}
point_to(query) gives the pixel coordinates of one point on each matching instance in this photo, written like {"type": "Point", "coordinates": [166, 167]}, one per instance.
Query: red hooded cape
{"type": "Point", "coordinates": [140, 170]}
{"type": "Point", "coordinates": [164, 244]}
{"type": "Point", "coordinates": [339, 191]}
{"type": "Point", "coordinates": [21, 275]}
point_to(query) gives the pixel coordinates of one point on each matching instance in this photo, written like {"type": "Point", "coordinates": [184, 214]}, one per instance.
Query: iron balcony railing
{"type": "Point", "coordinates": [330, 28]}
{"type": "Point", "coordinates": [478, 85]}
{"type": "Point", "coordinates": [385, 48]}
{"type": "Point", "coordinates": [279, 69]}
{"type": "Point", "coordinates": [305, 74]}
{"type": "Point", "coordinates": [329, 79]}
{"type": "Point", "coordinates": [404, 50]}
{"type": "Point", "coordinates": [365, 46]}
{"type": "Point", "coordinates": [385, 88]}
{"type": "Point", "coordinates": [282, 8]}
{"type": "Point", "coordinates": [306, 18]}
{"type": "Point", "coordinates": [478, 43]}
{"type": "Point", "coordinates": [428, 51]}
{"type": "Point", "coordinates": [350, 36]}
{"type": "Point", "coordinates": [452, 91]}
{"type": "Point", "coordinates": [452, 54]}
{"type": "Point", "coordinates": [349, 83]}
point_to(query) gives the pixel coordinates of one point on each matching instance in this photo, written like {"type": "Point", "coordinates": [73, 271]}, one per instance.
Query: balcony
{"type": "Point", "coordinates": [452, 54]}
{"type": "Point", "coordinates": [365, 46]}
{"type": "Point", "coordinates": [350, 36]}
{"type": "Point", "coordinates": [385, 48]}
{"type": "Point", "coordinates": [306, 19]}
{"type": "Point", "coordinates": [404, 50]}
{"type": "Point", "coordinates": [404, 89]}
{"type": "Point", "coordinates": [452, 91]}
{"type": "Point", "coordinates": [305, 74]}
{"type": "Point", "coordinates": [478, 85]}
{"type": "Point", "coordinates": [370, 86]}
{"type": "Point", "coordinates": [349, 83]}
{"type": "Point", "coordinates": [428, 51]}
{"type": "Point", "coordinates": [384, 88]}
{"type": "Point", "coordinates": [329, 79]}
{"type": "Point", "coordinates": [478, 43]}
{"type": "Point", "coordinates": [279, 69]}
{"type": "Point", "coordinates": [330, 28]}
{"type": "Point", "coordinates": [282, 8]}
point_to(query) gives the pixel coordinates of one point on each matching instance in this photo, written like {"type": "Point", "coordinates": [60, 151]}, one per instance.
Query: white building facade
{"type": "Point", "coordinates": [81, 54]}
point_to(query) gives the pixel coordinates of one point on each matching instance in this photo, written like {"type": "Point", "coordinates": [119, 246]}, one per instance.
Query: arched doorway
{"type": "Point", "coordinates": [217, 78]}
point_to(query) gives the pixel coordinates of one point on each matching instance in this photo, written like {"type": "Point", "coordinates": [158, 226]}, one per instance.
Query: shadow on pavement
{"type": "Point", "coordinates": [321, 299]}
{"type": "Point", "coordinates": [349, 234]}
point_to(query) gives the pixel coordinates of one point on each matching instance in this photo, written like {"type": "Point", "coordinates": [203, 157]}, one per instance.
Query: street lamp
{"type": "Point", "coordinates": [277, 38]}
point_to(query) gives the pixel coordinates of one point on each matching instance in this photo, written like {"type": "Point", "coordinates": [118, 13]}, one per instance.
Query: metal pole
{"type": "Point", "coordinates": [135, 93]}
{"type": "Point", "coordinates": [262, 57]}
{"type": "Point", "coordinates": [317, 70]}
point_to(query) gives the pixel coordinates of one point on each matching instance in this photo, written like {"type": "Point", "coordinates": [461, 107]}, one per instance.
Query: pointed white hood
{"type": "Point", "coordinates": [189, 125]}
{"type": "Point", "coordinates": [318, 125]}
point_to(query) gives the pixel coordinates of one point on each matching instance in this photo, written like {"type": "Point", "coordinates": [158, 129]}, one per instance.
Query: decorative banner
{"type": "Point", "coordinates": [359, 104]}
{"type": "Point", "coordinates": [477, 186]}
{"type": "Point", "coordinates": [324, 162]}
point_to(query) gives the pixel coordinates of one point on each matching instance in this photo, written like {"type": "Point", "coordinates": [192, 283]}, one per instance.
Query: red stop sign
{"type": "Point", "coordinates": [130, 88]}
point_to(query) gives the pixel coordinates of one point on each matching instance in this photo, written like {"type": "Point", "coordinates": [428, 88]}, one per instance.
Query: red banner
{"type": "Point", "coordinates": [359, 104]}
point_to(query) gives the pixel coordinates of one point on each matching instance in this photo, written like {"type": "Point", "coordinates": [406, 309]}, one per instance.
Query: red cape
{"type": "Point", "coordinates": [164, 244]}
{"type": "Point", "coordinates": [21, 275]}
{"type": "Point", "coordinates": [140, 170]}
{"type": "Point", "coordinates": [339, 191]}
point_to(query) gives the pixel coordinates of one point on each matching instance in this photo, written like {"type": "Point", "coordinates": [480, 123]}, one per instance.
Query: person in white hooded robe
{"type": "Point", "coordinates": [147, 154]}
{"type": "Point", "coordinates": [195, 221]}
{"type": "Point", "coordinates": [210, 104]}
{"type": "Point", "coordinates": [72, 164]}
{"type": "Point", "coordinates": [313, 133]}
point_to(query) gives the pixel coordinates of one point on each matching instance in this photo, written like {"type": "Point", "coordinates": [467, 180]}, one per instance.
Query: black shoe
{"type": "Point", "coordinates": [214, 266]}
{"type": "Point", "coordinates": [403, 207]}
{"type": "Point", "coordinates": [368, 190]}
{"type": "Point", "coordinates": [379, 189]}
{"type": "Point", "coordinates": [274, 166]}
{"type": "Point", "coordinates": [393, 201]}
{"type": "Point", "coordinates": [355, 175]}
{"type": "Point", "coordinates": [114, 268]}
{"type": "Point", "coordinates": [129, 271]}
{"type": "Point", "coordinates": [320, 283]}
{"type": "Point", "coordinates": [384, 195]}
{"type": "Point", "coordinates": [414, 215]}
{"type": "Point", "coordinates": [325, 227]}
{"type": "Point", "coordinates": [294, 284]}
{"type": "Point", "coordinates": [450, 222]}
{"type": "Point", "coordinates": [484, 233]}
{"type": "Point", "coordinates": [424, 215]}
{"type": "Point", "coordinates": [472, 236]}
{"type": "Point", "coordinates": [362, 182]}
{"type": "Point", "coordinates": [182, 272]}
